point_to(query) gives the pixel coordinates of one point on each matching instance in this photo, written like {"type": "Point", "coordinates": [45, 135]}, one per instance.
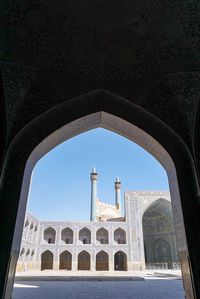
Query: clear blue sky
{"type": "Point", "coordinates": [60, 188]}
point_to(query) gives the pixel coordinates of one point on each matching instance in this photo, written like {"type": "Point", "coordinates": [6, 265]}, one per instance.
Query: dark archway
{"type": "Point", "coordinates": [65, 261]}
{"type": "Point", "coordinates": [84, 260]}
{"type": "Point", "coordinates": [120, 261]}
{"type": "Point", "coordinates": [47, 260]}
{"type": "Point", "coordinates": [102, 261]}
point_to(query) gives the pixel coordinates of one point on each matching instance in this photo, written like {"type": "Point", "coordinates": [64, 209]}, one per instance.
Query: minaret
{"type": "Point", "coordinates": [93, 177]}
{"type": "Point", "coordinates": [118, 193]}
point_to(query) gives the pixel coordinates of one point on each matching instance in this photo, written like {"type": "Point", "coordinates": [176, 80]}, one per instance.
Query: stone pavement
{"type": "Point", "coordinates": [160, 285]}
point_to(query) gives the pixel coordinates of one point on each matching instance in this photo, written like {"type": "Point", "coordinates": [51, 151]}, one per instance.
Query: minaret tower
{"type": "Point", "coordinates": [93, 177]}
{"type": "Point", "coordinates": [118, 193]}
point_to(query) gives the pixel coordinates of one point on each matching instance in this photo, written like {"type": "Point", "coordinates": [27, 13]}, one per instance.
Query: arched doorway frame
{"type": "Point", "coordinates": [66, 261]}
{"type": "Point", "coordinates": [125, 260]}
{"type": "Point", "coordinates": [122, 117]}
{"type": "Point", "coordinates": [86, 263]}
{"type": "Point", "coordinates": [102, 266]}
{"type": "Point", "coordinates": [51, 255]}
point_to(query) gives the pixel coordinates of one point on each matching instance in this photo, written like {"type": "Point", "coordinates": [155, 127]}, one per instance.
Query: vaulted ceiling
{"type": "Point", "coordinates": [144, 51]}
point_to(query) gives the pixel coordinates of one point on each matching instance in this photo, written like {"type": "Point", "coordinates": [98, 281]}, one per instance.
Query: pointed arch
{"type": "Point", "coordinates": [65, 262]}
{"type": "Point", "coordinates": [22, 251]}
{"type": "Point", "coordinates": [102, 236]}
{"type": "Point", "coordinates": [102, 261]}
{"type": "Point", "coordinates": [85, 236]}
{"type": "Point", "coordinates": [120, 236]}
{"type": "Point", "coordinates": [47, 260]}
{"type": "Point", "coordinates": [26, 223]}
{"type": "Point", "coordinates": [93, 111]}
{"type": "Point", "coordinates": [84, 260]}
{"type": "Point", "coordinates": [67, 235]}
{"type": "Point", "coordinates": [120, 261]}
{"type": "Point", "coordinates": [49, 235]}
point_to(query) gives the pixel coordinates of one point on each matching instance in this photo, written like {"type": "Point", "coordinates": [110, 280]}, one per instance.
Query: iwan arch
{"type": "Point", "coordinates": [106, 120]}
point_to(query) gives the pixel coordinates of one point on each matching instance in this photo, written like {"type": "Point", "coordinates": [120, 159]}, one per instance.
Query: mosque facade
{"type": "Point", "coordinates": [143, 237]}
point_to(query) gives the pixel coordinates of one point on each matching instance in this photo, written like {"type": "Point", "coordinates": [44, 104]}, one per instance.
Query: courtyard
{"type": "Point", "coordinates": [145, 285]}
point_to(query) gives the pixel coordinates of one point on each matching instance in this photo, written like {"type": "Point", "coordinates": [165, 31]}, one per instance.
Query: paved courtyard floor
{"type": "Point", "coordinates": [155, 285]}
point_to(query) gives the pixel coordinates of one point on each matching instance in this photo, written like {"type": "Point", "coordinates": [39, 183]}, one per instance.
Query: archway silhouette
{"type": "Point", "coordinates": [122, 117]}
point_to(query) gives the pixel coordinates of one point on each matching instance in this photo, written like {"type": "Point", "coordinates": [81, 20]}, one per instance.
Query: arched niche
{"type": "Point", "coordinates": [26, 223]}
{"type": "Point", "coordinates": [22, 251]}
{"type": "Point", "coordinates": [67, 235]}
{"type": "Point", "coordinates": [85, 236]}
{"type": "Point", "coordinates": [49, 235]}
{"type": "Point", "coordinates": [120, 236]}
{"type": "Point", "coordinates": [102, 236]}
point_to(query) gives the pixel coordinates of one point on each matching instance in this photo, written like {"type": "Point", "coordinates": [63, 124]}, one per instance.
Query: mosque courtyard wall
{"type": "Point", "coordinates": [108, 244]}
